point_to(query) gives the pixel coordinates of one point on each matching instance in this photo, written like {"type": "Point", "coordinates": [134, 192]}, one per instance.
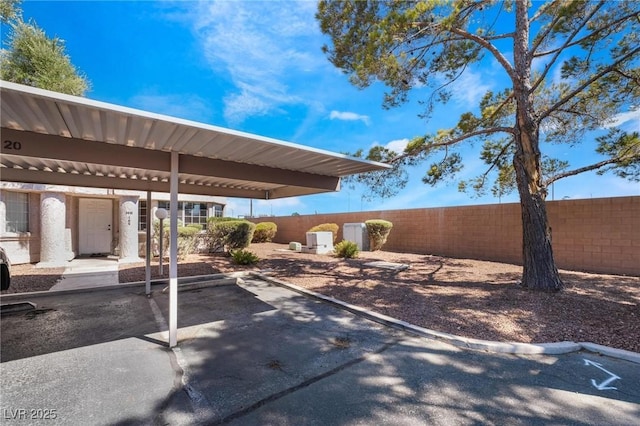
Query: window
{"type": "Point", "coordinates": [195, 213]}
{"type": "Point", "coordinates": [17, 208]}
{"type": "Point", "coordinates": [189, 213]}
{"type": "Point", "coordinates": [142, 215]}
{"type": "Point", "coordinates": [218, 210]}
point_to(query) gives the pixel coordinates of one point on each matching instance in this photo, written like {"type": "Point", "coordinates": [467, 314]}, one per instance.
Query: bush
{"type": "Point", "coordinates": [230, 234]}
{"type": "Point", "coordinates": [346, 249]}
{"type": "Point", "coordinates": [244, 257]}
{"type": "Point", "coordinates": [220, 219]}
{"type": "Point", "coordinates": [195, 226]}
{"type": "Point", "coordinates": [265, 232]}
{"type": "Point", "coordinates": [187, 231]}
{"type": "Point", "coordinates": [326, 227]}
{"type": "Point", "coordinates": [378, 231]}
{"type": "Point", "coordinates": [187, 241]}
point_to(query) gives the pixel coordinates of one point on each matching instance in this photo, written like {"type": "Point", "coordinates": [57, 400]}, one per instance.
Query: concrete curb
{"type": "Point", "coordinates": [202, 284]}
{"type": "Point", "coordinates": [157, 282]}
{"type": "Point", "coordinates": [515, 348]}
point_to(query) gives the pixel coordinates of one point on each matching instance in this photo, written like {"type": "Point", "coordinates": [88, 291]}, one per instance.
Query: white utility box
{"type": "Point", "coordinates": [356, 233]}
{"type": "Point", "coordinates": [319, 242]}
{"type": "Point", "coordinates": [295, 246]}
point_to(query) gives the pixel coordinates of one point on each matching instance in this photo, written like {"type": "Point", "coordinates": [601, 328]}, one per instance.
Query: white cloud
{"type": "Point", "coordinates": [349, 116]}
{"type": "Point", "coordinates": [397, 145]}
{"type": "Point", "coordinates": [469, 88]}
{"type": "Point", "coordinates": [632, 117]}
{"type": "Point", "coordinates": [261, 45]}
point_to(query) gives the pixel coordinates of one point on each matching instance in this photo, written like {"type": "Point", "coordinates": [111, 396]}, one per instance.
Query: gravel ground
{"type": "Point", "coordinates": [26, 278]}
{"type": "Point", "coordinates": [465, 297]}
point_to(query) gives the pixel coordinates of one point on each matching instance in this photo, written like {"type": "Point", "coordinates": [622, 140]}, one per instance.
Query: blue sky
{"type": "Point", "coordinates": [257, 66]}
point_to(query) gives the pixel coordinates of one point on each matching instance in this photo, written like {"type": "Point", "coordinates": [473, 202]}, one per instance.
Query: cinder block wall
{"type": "Point", "coordinates": [596, 235]}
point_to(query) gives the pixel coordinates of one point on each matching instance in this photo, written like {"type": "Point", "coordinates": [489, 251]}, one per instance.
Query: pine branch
{"type": "Point", "coordinates": [587, 83]}
{"type": "Point", "coordinates": [567, 43]}
{"type": "Point", "coordinates": [595, 32]}
{"type": "Point", "coordinates": [595, 166]}
{"type": "Point", "coordinates": [491, 48]}
{"type": "Point", "coordinates": [453, 141]}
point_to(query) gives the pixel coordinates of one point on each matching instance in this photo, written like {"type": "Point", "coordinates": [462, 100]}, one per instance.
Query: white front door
{"type": "Point", "coordinates": [94, 226]}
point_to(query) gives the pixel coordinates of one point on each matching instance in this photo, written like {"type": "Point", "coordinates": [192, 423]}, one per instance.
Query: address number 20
{"type": "Point", "coordinates": [12, 145]}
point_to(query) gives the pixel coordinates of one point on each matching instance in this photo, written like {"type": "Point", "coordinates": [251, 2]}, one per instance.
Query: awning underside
{"type": "Point", "coordinates": [64, 140]}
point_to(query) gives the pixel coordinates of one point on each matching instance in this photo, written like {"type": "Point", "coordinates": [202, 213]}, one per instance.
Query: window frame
{"type": "Point", "coordinates": [7, 200]}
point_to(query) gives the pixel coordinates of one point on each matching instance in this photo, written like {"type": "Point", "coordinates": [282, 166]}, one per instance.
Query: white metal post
{"type": "Point", "coordinates": [173, 254]}
{"type": "Point", "coordinates": [161, 248]}
{"type": "Point", "coordinates": [147, 266]}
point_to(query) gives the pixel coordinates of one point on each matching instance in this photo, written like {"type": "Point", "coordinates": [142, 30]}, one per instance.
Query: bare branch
{"type": "Point", "coordinates": [581, 170]}
{"type": "Point", "coordinates": [636, 80]}
{"type": "Point", "coordinates": [491, 48]}
{"type": "Point", "coordinates": [595, 166]}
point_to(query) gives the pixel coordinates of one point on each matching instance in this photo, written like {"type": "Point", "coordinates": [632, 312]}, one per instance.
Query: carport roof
{"type": "Point", "coordinates": [52, 138]}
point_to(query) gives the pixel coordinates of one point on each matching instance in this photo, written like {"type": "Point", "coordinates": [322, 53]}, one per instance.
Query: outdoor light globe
{"type": "Point", "coordinates": [161, 214]}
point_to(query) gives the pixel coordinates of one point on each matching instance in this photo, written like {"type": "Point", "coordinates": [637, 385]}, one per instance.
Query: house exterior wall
{"type": "Point", "coordinates": [26, 247]}
{"type": "Point", "coordinates": [595, 235]}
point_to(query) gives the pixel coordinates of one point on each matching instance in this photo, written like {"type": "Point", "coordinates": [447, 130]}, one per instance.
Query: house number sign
{"type": "Point", "coordinates": [11, 145]}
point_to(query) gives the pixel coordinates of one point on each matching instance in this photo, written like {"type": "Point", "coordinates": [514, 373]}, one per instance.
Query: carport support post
{"type": "Point", "coordinates": [173, 252]}
{"type": "Point", "coordinates": [147, 270]}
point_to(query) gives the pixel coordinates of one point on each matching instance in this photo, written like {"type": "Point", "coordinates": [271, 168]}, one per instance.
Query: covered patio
{"type": "Point", "coordinates": [56, 139]}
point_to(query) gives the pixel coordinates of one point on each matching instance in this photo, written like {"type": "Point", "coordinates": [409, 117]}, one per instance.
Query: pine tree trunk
{"type": "Point", "coordinates": [539, 272]}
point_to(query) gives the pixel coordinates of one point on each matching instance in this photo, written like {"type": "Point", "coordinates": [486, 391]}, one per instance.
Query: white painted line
{"type": "Point", "coordinates": [605, 384]}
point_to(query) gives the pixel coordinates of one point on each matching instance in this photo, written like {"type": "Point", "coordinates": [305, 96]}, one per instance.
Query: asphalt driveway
{"type": "Point", "coordinates": [255, 353]}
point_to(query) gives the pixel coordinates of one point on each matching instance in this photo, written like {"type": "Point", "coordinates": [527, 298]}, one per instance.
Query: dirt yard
{"type": "Point", "coordinates": [464, 297]}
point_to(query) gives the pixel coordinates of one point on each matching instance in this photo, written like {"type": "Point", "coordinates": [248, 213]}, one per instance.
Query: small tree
{"type": "Point", "coordinates": [229, 235]}
{"type": "Point", "coordinates": [265, 232]}
{"type": "Point", "coordinates": [36, 60]}
{"type": "Point", "coordinates": [378, 231]}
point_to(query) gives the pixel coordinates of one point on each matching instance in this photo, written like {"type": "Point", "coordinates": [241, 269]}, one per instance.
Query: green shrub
{"type": "Point", "coordinates": [265, 232]}
{"type": "Point", "coordinates": [187, 231]}
{"type": "Point", "coordinates": [220, 219]}
{"type": "Point", "coordinates": [187, 241]}
{"type": "Point", "coordinates": [346, 249]}
{"type": "Point", "coordinates": [197, 226]}
{"type": "Point", "coordinates": [326, 227]}
{"type": "Point", "coordinates": [230, 234]}
{"type": "Point", "coordinates": [378, 231]}
{"type": "Point", "coordinates": [244, 257]}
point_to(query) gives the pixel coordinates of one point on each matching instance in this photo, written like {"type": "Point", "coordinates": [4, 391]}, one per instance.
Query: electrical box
{"type": "Point", "coordinates": [319, 242]}
{"type": "Point", "coordinates": [356, 233]}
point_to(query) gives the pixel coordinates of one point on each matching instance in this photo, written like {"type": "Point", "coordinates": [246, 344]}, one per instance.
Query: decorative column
{"type": "Point", "coordinates": [53, 247]}
{"type": "Point", "coordinates": [129, 229]}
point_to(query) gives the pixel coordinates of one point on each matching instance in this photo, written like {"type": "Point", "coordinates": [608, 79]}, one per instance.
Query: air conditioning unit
{"type": "Point", "coordinates": [319, 242]}
{"type": "Point", "coordinates": [357, 233]}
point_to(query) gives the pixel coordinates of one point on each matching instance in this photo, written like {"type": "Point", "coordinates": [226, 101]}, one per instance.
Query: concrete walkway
{"type": "Point", "coordinates": [88, 273]}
